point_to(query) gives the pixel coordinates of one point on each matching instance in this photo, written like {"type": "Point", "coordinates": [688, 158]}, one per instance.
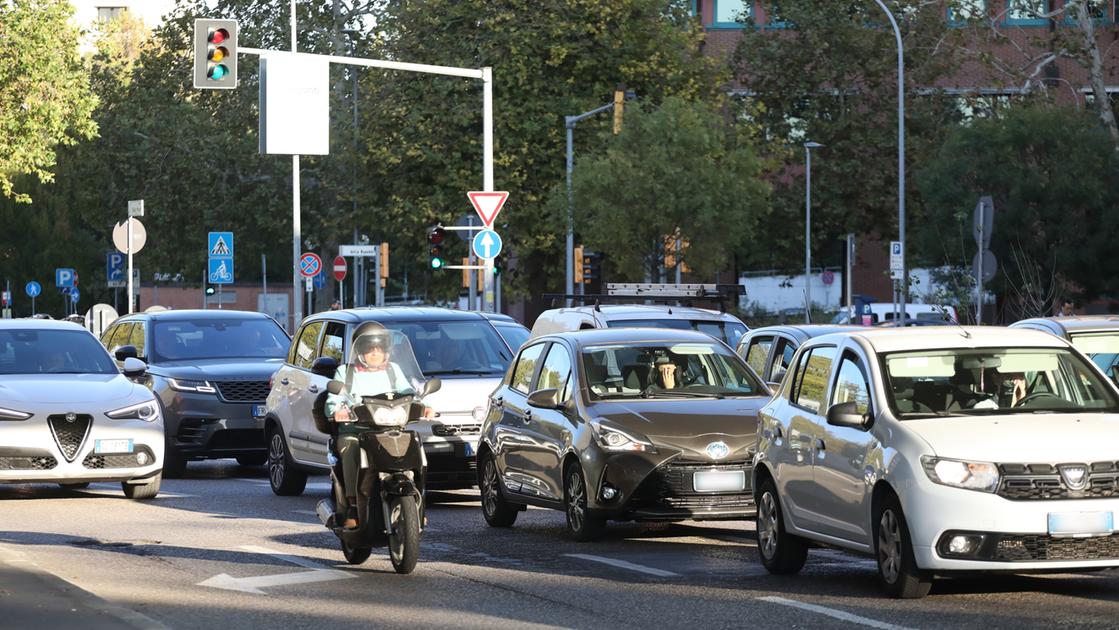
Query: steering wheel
{"type": "Point", "coordinates": [1035, 396]}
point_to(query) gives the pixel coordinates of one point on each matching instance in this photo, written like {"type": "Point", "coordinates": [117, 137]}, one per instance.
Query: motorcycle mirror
{"type": "Point", "coordinates": [335, 387]}
{"type": "Point", "coordinates": [431, 386]}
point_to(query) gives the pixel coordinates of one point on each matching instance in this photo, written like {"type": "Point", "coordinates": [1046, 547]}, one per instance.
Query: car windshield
{"type": "Point", "coordinates": [666, 370]}
{"type": "Point", "coordinates": [990, 381]}
{"type": "Point", "coordinates": [1102, 349]}
{"type": "Point", "coordinates": [727, 332]}
{"type": "Point", "coordinates": [514, 334]}
{"type": "Point", "coordinates": [461, 347]}
{"type": "Point", "coordinates": [224, 338]}
{"type": "Point", "coordinates": [53, 352]}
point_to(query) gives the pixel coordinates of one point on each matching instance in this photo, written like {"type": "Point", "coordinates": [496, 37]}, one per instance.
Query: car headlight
{"type": "Point", "coordinates": [617, 441]}
{"type": "Point", "coordinates": [981, 476]}
{"type": "Point", "coordinates": [12, 414]}
{"type": "Point", "coordinates": [390, 416]}
{"type": "Point", "coordinates": [146, 411]}
{"type": "Point", "coordinates": [186, 385]}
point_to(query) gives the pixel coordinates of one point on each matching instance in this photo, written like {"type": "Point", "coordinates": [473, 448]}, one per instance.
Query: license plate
{"type": "Point", "coordinates": [259, 411]}
{"type": "Point", "coordinates": [719, 480]}
{"type": "Point", "coordinates": [112, 446]}
{"type": "Point", "coordinates": [1081, 524]}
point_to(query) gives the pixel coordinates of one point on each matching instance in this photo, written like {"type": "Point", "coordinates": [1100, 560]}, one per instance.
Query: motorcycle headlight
{"type": "Point", "coordinates": [390, 416]}
{"type": "Point", "coordinates": [12, 414]}
{"type": "Point", "coordinates": [187, 385]}
{"type": "Point", "coordinates": [617, 441]}
{"type": "Point", "coordinates": [146, 411]}
{"type": "Point", "coordinates": [980, 476]}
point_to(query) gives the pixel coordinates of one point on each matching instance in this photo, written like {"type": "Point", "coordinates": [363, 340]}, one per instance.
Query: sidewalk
{"type": "Point", "coordinates": [33, 598]}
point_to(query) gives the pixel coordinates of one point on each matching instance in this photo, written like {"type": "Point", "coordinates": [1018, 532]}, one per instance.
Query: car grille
{"type": "Point", "coordinates": [670, 486]}
{"type": "Point", "coordinates": [242, 391]}
{"type": "Point", "coordinates": [447, 430]}
{"type": "Point", "coordinates": [70, 434]}
{"type": "Point", "coordinates": [44, 462]}
{"type": "Point", "coordinates": [118, 460]}
{"type": "Point", "coordinates": [1039, 482]}
{"type": "Point", "coordinates": [1030, 547]}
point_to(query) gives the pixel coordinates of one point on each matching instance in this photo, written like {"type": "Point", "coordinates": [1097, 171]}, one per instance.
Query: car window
{"type": "Point", "coordinates": [526, 366]}
{"type": "Point", "coordinates": [303, 352]}
{"type": "Point", "coordinates": [107, 336]}
{"type": "Point", "coordinates": [514, 334]}
{"type": "Point", "coordinates": [120, 336]}
{"type": "Point", "coordinates": [333, 341]}
{"type": "Point", "coordinates": [53, 352]}
{"type": "Point", "coordinates": [1102, 349]}
{"type": "Point", "coordinates": [851, 384]}
{"type": "Point", "coordinates": [556, 371]}
{"type": "Point", "coordinates": [812, 378]}
{"type": "Point", "coordinates": [727, 332]}
{"type": "Point", "coordinates": [225, 337]}
{"type": "Point", "coordinates": [783, 358]}
{"type": "Point", "coordinates": [136, 338]}
{"type": "Point", "coordinates": [757, 353]}
{"type": "Point", "coordinates": [654, 370]}
{"type": "Point", "coordinates": [445, 348]}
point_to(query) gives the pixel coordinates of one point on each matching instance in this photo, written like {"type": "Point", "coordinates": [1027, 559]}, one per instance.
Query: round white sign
{"type": "Point", "coordinates": [139, 236]}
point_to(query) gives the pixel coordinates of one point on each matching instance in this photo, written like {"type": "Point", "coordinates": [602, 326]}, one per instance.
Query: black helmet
{"type": "Point", "coordinates": [370, 335]}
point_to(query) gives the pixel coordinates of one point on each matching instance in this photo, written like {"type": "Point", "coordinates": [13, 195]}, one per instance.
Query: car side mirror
{"type": "Point", "coordinates": [134, 367]}
{"type": "Point", "coordinates": [335, 387]}
{"type": "Point", "coordinates": [545, 399]}
{"type": "Point", "coordinates": [123, 353]}
{"type": "Point", "coordinates": [847, 415]}
{"type": "Point", "coordinates": [431, 386]}
{"type": "Point", "coordinates": [325, 366]}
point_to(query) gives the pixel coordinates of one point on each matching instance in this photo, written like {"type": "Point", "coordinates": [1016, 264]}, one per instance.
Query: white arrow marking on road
{"type": "Point", "coordinates": [318, 573]}
{"type": "Point", "coordinates": [622, 564]}
{"type": "Point", "coordinates": [487, 244]}
{"type": "Point", "coordinates": [833, 613]}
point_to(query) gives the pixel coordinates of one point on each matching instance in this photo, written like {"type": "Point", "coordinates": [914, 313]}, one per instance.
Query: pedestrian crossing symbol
{"type": "Point", "coordinates": [221, 244]}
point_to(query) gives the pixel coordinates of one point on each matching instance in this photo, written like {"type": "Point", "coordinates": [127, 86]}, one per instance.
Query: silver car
{"type": "Point", "coordinates": [69, 416]}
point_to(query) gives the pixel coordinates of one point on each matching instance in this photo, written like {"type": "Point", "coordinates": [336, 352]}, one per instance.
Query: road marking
{"type": "Point", "coordinates": [622, 564]}
{"type": "Point", "coordinates": [318, 573]}
{"type": "Point", "coordinates": [311, 512]}
{"type": "Point", "coordinates": [833, 613]}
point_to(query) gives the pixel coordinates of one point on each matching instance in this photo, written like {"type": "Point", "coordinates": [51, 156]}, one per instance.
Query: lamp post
{"type": "Point", "coordinates": [901, 158]}
{"type": "Point", "coordinates": [808, 146]}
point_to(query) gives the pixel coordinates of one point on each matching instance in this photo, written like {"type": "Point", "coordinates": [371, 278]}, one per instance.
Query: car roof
{"type": "Point", "coordinates": [39, 324]}
{"type": "Point", "coordinates": [883, 340]}
{"type": "Point", "coordinates": [399, 314]}
{"type": "Point", "coordinates": [193, 315]}
{"type": "Point", "coordinates": [622, 312]}
{"type": "Point", "coordinates": [601, 336]}
{"type": "Point", "coordinates": [803, 332]}
{"type": "Point", "coordinates": [500, 318]}
{"type": "Point", "coordinates": [1063, 326]}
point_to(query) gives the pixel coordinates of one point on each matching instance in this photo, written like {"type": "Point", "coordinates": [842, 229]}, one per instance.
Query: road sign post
{"type": "Point", "coordinates": [488, 205]}
{"type": "Point", "coordinates": [33, 289]}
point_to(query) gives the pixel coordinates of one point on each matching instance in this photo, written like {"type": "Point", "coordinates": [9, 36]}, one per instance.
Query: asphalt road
{"type": "Point", "coordinates": [217, 549]}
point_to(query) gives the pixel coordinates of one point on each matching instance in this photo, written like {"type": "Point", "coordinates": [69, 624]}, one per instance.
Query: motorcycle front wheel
{"type": "Point", "coordinates": [404, 541]}
{"type": "Point", "coordinates": [356, 555]}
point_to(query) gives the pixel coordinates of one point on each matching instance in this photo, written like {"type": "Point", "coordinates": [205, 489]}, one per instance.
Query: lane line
{"type": "Point", "coordinates": [622, 564]}
{"type": "Point", "coordinates": [834, 613]}
{"type": "Point", "coordinates": [286, 557]}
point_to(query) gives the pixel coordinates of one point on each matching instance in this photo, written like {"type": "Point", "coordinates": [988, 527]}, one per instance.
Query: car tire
{"type": "Point", "coordinates": [781, 553]}
{"type": "Point", "coordinates": [893, 551]}
{"type": "Point", "coordinates": [495, 509]}
{"type": "Point", "coordinates": [142, 491]}
{"type": "Point", "coordinates": [286, 480]}
{"type": "Point", "coordinates": [253, 460]}
{"type": "Point", "coordinates": [81, 485]}
{"type": "Point", "coordinates": [583, 526]}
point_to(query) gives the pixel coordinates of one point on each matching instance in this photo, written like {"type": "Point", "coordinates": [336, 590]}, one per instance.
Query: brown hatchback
{"type": "Point", "coordinates": [622, 424]}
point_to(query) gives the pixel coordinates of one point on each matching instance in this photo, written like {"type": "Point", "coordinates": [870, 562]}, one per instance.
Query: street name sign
{"type": "Point", "coordinates": [358, 251]}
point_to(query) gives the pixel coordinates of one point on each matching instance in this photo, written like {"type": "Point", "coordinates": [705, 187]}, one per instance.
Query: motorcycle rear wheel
{"type": "Point", "coordinates": [404, 542]}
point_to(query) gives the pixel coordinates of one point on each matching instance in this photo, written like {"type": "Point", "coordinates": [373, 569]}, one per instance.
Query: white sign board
{"type": "Point", "coordinates": [294, 104]}
{"type": "Point", "coordinates": [139, 235]}
{"type": "Point", "coordinates": [897, 260]}
{"type": "Point", "coordinates": [367, 251]}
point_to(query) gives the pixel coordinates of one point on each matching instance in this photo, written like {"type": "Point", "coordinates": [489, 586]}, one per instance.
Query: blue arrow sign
{"type": "Point", "coordinates": [33, 289]}
{"type": "Point", "coordinates": [74, 295]}
{"type": "Point", "coordinates": [63, 277]}
{"type": "Point", "coordinates": [487, 244]}
{"type": "Point", "coordinates": [114, 269]}
{"type": "Point", "coordinates": [221, 271]}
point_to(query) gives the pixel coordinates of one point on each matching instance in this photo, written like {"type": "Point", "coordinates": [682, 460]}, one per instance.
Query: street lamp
{"type": "Point", "coordinates": [808, 146]}
{"type": "Point", "coordinates": [901, 157]}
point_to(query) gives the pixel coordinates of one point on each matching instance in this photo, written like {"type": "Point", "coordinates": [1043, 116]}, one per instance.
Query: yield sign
{"type": "Point", "coordinates": [487, 204]}
{"type": "Point", "coordinates": [339, 268]}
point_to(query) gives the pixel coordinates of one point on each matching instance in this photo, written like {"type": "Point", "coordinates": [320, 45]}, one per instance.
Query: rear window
{"type": "Point", "coordinates": [727, 332]}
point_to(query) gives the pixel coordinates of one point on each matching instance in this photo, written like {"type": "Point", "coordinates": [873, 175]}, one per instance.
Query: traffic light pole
{"type": "Point", "coordinates": [569, 125]}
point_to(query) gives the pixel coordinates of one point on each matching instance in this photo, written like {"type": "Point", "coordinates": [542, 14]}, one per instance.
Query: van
{"type": "Point", "coordinates": [884, 312]}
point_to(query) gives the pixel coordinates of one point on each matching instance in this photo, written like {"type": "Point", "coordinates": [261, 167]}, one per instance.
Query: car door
{"type": "Point", "coordinates": [332, 344]}
{"type": "Point", "coordinates": [296, 381]}
{"type": "Point", "coordinates": [511, 439]}
{"type": "Point", "coordinates": [781, 358]}
{"type": "Point", "coordinates": [844, 456]}
{"type": "Point", "coordinates": [549, 430]}
{"type": "Point", "coordinates": [805, 420]}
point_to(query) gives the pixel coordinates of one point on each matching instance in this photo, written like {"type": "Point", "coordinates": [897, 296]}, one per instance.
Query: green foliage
{"type": "Point", "coordinates": [1051, 172]}
{"type": "Point", "coordinates": [677, 166]}
{"type": "Point", "coordinates": [45, 98]}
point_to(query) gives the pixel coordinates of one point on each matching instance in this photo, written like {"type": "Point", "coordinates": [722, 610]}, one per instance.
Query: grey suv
{"type": "Point", "coordinates": [209, 370]}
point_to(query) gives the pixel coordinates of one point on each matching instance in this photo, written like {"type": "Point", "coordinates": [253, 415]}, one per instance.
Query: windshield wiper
{"type": "Point", "coordinates": [459, 371]}
{"type": "Point", "coordinates": [669, 393]}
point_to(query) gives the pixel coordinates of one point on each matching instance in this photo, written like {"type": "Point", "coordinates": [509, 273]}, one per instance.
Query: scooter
{"type": "Point", "coordinates": [390, 493]}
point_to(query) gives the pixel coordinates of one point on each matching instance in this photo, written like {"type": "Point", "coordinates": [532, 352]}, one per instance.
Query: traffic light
{"type": "Point", "coordinates": [619, 108]}
{"type": "Point", "coordinates": [384, 261]}
{"type": "Point", "coordinates": [210, 291]}
{"type": "Point", "coordinates": [435, 246]}
{"type": "Point", "coordinates": [215, 54]}
{"type": "Point", "coordinates": [577, 261]}
{"type": "Point", "coordinates": [592, 266]}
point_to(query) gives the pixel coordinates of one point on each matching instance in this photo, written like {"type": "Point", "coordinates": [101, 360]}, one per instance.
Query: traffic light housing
{"type": "Point", "coordinates": [577, 262]}
{"type": "Point", "coordinates": [384, 261]}
{"type": "Point", "coordinates": [210, 291]}
{"type": "Point", "coordinates": [619, 108]}
{"type": "Point", "coordinates": [592, 271]}
{"type": "Point", "coordinates": [435, 238]}
{"type": "Point", "coordinates": [215, 54]}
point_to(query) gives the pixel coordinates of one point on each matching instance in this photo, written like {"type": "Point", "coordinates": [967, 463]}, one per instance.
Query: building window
{"type": "Point", "coordinates": [963, 11]}
{"type": "Point", "coordinates": [1097, 10]}
{"type": "Point", "coordinates": [775, 18]}
{"type": "Point", "coordinates": [1027, 12]}
{"type": "Point", "coordinates": [107, 14]}
{"type": "Point", "coordinates": [732, 13]}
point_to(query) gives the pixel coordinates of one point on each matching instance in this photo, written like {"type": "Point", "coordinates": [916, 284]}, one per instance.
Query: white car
{"type": "Point", "coordinates": [68, 415]}
{"type": "Point", "coordinates": [940, 450]}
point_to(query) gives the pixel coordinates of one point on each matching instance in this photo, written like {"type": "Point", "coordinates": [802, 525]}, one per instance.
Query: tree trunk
{"type": "Point", "coordinates": [1095, 70]}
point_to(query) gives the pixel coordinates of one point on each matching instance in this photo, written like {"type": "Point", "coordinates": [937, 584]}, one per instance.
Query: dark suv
{"type": "Point", "coordinates": [210, 371]}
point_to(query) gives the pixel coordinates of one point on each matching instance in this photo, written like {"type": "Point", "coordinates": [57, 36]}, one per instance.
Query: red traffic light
{"type": "Point", "coordinates": [218, 36]}
{"type": "Point", "coordinates": [436, 235]}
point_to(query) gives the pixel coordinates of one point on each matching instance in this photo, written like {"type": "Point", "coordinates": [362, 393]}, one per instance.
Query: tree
{"type": "Point", "coordinates": [45, 98]}
{"type": "Point", "coordinates": [1051, 173]}
{"type": "Point", "coordinates": [678, 168]}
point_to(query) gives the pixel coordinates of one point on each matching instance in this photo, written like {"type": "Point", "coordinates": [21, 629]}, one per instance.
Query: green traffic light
{"type": "Point", "coordinates": [217, 72]}
{"type": "Point", "coordinates": [436, 263]}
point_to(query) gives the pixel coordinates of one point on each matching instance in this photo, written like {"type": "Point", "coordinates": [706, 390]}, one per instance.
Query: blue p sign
{"type": "Point", "coordinates": [63, 277]}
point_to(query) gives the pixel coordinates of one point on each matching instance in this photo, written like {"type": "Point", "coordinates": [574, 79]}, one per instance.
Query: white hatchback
{"type": "Point", "coordinates": [940, 450]}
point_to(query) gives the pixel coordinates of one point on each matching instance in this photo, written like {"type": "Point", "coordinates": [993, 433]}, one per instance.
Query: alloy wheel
{"type": "Point", "coordinates": [576, 500]}
{"type": "Point", "coordinates": [276, 460]}
{"type": "Point", "coordinates": [489, 488]}
{"type": "Point", "coordinates": [767, 526]}
{"type": "Point", "coordinates": [889, 546]}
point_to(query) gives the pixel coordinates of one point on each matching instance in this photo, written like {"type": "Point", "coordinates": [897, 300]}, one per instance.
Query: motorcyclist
{"type": "Point", "coordinates": [369, 373]}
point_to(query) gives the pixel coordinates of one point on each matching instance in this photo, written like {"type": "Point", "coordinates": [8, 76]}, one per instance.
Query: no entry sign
{"type": "Point", "coordinates": [339, 268]}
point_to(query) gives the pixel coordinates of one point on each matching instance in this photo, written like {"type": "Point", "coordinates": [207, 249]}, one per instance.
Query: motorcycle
{"type": "Point", "coordinates": [391, 481]}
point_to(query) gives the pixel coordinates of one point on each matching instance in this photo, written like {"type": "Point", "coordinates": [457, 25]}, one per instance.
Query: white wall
{"type": "Point", "coordinates": [773, 293]}
{"type": "Point", "coordinates": [85, 14]}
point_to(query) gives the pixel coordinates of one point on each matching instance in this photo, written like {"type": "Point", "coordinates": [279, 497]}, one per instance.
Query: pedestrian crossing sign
{"type": "Point", "coordinates": [221, 244]}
